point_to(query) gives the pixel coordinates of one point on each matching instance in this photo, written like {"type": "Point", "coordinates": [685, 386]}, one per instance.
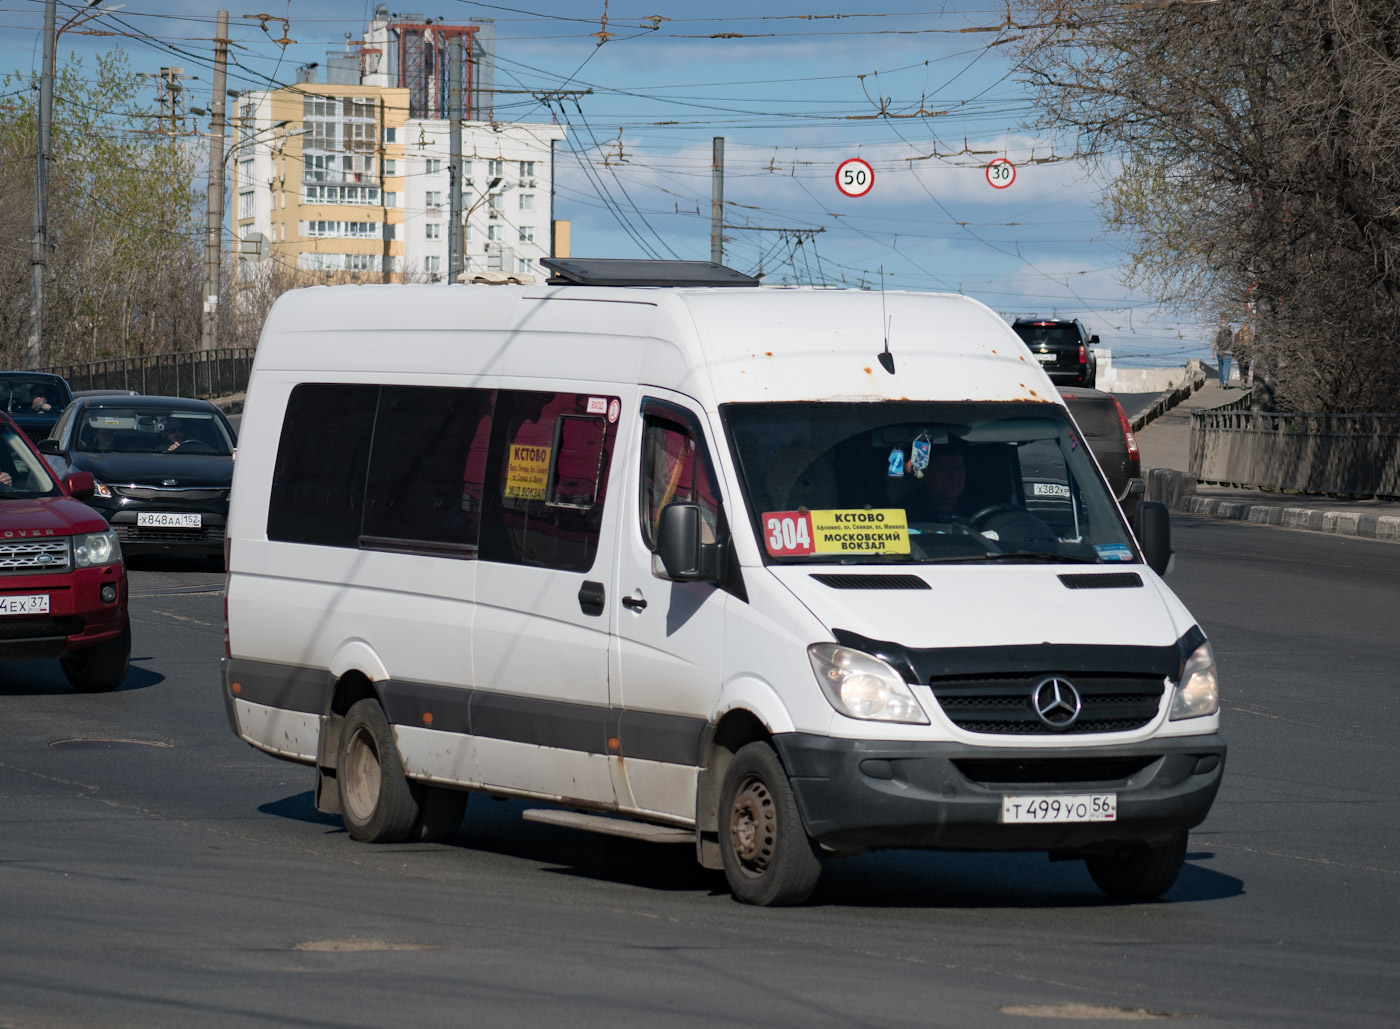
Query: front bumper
{"type": "Point", "coordinates": [77, 618]}
{"type": "Point", "coordinates": [857, 795]}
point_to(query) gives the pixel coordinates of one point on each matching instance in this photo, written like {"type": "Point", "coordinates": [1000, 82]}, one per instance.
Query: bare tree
{"type": "Point", "coordinates": [1257, 169]}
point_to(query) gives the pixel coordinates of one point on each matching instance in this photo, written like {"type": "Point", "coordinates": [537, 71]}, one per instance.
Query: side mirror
{"type": "Point", "coordinates": [678, 541]}
{"type": "Point", "coordinates": [1153, 529]}
{"type": "Point", "coordinates": [1093, 340]}
{"type": "Point", "coordinates": [79, 483]}
{"type": "Point", "coordinates": [681, 548]}
{"type": "Point", "coordinates": [50, 446]}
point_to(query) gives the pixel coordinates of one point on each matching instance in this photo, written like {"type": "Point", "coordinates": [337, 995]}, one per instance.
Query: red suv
{"type": "Point", "coordinates": [63, 587]}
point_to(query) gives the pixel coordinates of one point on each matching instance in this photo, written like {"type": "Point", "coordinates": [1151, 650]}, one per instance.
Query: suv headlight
{"type": "Point", "coordinates": [1198, 693]}
{"type": "Point", "coordinates": [96, 548]}
{"type": "Point", "coordinates": [861, 686]}
{"type": "Point", "coordinates": [101, 489]}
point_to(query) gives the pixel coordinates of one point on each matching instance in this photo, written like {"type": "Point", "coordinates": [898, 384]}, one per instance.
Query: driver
{"type": "Point", "coordinates": [943, 483]}
{"type": "Point", "coordinates": [174, 434]}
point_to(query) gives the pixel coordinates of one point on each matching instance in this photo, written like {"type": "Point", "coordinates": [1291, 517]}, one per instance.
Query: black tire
{"type": "Point", "coordinates": [99, 669]}
{"type": "Point", "coordinates": [1141, 874]}
{"type": "Point", "coordinates": [440, 811]}
{"type": "Point", "coordinates": [768, 858]}
{"type": "Point", "coordinates": [377, 803]}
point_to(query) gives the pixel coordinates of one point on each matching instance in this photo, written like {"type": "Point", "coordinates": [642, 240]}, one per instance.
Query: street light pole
{"type": "Point", "coordinates": [33, 351]}
{"type": "Point", "coordinates": [213, 250]}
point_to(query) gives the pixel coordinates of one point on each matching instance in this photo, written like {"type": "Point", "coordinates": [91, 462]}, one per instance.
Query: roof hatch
{"type": "Point", "coordinates": [611, 271]}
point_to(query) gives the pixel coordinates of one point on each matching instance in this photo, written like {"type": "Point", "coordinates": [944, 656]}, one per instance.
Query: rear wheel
{"type": "Point", "coordinates": [768, 858]}
{"type": "Point", "coordinates": [376, 801]}
{"type": "Point", "coordinates": [99, 669]}
{"type": "Point", "coordinates": [1141, 873]}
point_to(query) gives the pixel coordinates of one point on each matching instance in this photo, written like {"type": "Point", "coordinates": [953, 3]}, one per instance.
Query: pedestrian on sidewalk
{"type": "Point", "coordinates": [1224, 341]}
{"type": "Point", "coordinates": [1244, 354]}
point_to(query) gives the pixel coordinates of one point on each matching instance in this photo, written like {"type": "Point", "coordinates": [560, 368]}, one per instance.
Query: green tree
{"type": "Point", "coordinates": [123, 276]}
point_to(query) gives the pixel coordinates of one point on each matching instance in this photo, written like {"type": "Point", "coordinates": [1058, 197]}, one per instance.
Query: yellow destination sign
{"type": "Point", "coordinates": [527, 474]}
{"type": "Point", "coordinates": [860, 532]}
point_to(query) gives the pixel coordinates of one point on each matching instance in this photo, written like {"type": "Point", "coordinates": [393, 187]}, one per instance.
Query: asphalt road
{"type": "Point", "coordinates": [181, 878]}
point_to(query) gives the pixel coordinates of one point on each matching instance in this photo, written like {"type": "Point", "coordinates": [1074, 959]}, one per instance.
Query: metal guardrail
{"type": "Point", "coordinates": [1353, 454]}
{"type": "Point", "coordinates": [190, 373]}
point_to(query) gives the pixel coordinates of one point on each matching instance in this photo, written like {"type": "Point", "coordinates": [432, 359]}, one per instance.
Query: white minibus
{"type": "Point", "coordinates": [782, 574]}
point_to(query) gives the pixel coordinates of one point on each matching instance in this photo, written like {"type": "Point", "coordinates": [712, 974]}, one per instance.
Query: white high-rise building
{"type": "Point", "coordinates": [506, 179]}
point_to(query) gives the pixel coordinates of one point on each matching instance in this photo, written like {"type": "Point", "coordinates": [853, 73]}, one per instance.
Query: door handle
{"type": "Point", "coordinates": [591, 597]}
{"type": "Point", "coordinates": [634, 603]}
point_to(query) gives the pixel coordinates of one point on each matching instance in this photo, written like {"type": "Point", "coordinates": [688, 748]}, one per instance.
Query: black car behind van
{"type": "Point", "coordinates": [1063, 348]}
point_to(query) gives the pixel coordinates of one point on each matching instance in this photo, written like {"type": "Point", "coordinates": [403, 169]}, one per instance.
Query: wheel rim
{"type": "Point", "coordinates": [753, 826]}
{"type": "Point", "coordinates": [361, 776]}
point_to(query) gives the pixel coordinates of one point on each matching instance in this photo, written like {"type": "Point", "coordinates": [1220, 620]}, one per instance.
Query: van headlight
{"type": "Point", "coordinates": [1198, 693]}
{"type": "Point", "coordinates": [96, 548]}
{"type": "Point", "coordinates": [861, 686]}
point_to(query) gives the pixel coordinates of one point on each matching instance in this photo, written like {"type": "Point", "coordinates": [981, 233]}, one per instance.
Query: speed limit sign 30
{"type": "Point", "coordinates": [854, 177]}
{"type": "Point", "coordinates": [1001, 173]}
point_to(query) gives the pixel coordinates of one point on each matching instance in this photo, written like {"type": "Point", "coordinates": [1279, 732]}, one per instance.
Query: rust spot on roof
{"type": "Point", "coordinates": [768, 353]}
{"type": "Point", "coordinates": [1033, 393]}
{"type": "Point", "coordinates": [868, 371]}
{"type": "Point", "coordinates": [1023, 357]}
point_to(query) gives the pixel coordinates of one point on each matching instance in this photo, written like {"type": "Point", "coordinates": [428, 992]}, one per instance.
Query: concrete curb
{"type": "Point", "coordinates": [1178, 491]}
{"type": "Point", "coordinates": [1337, 523]}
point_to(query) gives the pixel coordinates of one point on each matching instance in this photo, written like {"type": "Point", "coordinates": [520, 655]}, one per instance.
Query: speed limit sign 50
{"type": "Point", "coordinates": [854, 177]}
{"type": "Point", "coordinates": [1001, 173]}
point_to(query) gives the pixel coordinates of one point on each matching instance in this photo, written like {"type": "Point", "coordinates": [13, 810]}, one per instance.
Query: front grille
{"type": "Point", "coordinates": [1002, 704]}
{"type": "Point", "coordinates": [38, 628]}
{"type": "Point", "coordinates": [872, 582]}
{"type": "Point", "coordinates": [41, 555]}
{"type": "Point", "coordinates": [212, 534]}
{"type": "Point", "coordinates": [170, 493]}
{"type": "Point", "coordinates": [992, 771]}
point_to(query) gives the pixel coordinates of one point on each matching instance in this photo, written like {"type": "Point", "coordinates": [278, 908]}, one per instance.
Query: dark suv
{"type": "Point", "coordinates": [1063, 348]}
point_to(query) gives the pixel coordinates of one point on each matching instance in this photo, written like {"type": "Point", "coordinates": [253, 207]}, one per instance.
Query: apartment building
{"type": "Point", "coordinates": [343, 183]}
{"type": "Point", "coordinates": [506, 179]}
{"type": "Point", "coordinates": [312, 172]}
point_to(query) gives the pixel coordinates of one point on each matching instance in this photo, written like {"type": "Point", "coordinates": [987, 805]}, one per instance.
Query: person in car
{"type": "Point", "coordinates": [939, 494]}
{"type": "Point", "coordinates": [39, 401]}
{"type": "Point", "coordinates": [173, 434]}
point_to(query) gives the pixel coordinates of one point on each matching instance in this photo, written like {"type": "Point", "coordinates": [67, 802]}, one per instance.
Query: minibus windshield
{"type": "Point", "coordinates": [902, 482]}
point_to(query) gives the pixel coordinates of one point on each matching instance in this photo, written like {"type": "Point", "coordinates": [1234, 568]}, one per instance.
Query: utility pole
{"type": "Point", "coordinates": [455, 231]}
{"type": "Point", "coordinates": [717, 203]}
{"type": "Point", "coordinates": [213, 248]}
{"type": "Point", "coordinates": [34, 349]}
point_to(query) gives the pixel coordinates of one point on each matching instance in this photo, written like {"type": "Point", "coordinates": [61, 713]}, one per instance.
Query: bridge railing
{"type": "Point", "coordinates": [190, 373]}
{"type": "Point", "coordinates": [1353, 454]}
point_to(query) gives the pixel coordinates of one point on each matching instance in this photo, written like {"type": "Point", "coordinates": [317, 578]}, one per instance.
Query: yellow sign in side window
{"type": "Point", "coordinates": [860, 532]}
{"type": "Point", "coordinates": [527, 474]}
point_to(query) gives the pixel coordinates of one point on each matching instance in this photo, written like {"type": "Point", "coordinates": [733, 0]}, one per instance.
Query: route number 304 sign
{"type": "Point", "coordinates": [855, 177]}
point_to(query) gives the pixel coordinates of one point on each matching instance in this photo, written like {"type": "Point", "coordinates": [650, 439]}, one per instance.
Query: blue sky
{"type": "Point", "coordinates": [794, 88]}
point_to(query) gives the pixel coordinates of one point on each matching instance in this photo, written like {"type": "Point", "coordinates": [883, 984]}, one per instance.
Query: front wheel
{"type": "Point", "coordinates": [99, 669]}
{"type": "Point", "coordinates": [768, 858]}
{"type": "Point", "coordinates": [1141, 873]}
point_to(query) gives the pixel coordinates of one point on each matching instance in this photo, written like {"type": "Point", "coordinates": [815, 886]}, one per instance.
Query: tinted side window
{"type": "Point", "coordinates": [676, 468]}
{"type": "Point", "coordinates": [318, 483]}
{"type": "Point", "coordinates": [424, 485]}
{"type": "Point", "coordinates": [546, 476]}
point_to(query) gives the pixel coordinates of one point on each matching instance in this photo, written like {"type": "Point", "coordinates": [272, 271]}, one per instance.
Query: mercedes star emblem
{"type": "Point", "coordinates": [1056, 702]}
